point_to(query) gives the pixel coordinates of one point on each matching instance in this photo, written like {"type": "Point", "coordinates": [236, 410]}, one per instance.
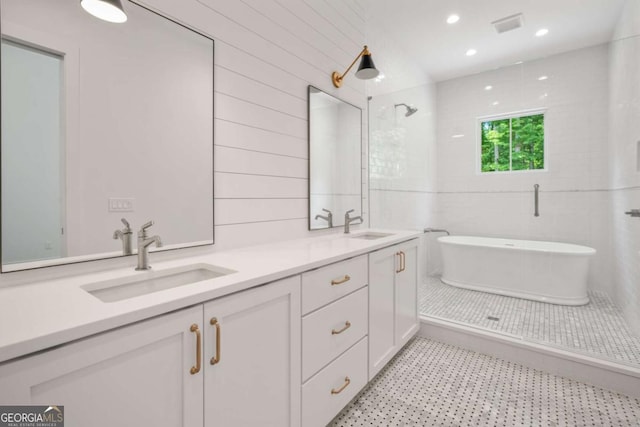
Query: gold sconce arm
{"type": "Point", "coordinates": [367, 69]}
{"type": "Point", "coordinates": [336, 77]}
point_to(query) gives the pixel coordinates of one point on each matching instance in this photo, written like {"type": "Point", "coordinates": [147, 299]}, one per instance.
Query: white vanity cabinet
{"type": "Point", "coordinates": [288, 353]}
{"type": "Point", "coordinates": [334, 338]}
{"type": "Point", "coordinates": [159, 372]}
{"type": "Point", "coordinates": [252, 357]}
{"type": "Point", "coordinates": [393, 301]}
{"type": "Point", "coordinates": [135, 375]}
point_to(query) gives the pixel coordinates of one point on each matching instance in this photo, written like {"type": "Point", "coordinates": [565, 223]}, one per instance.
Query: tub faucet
{"type": "Point", "coordinates": [125, 236]}
{"type": "Point", "coordinates": [143, 246]}
{"type": "Point", "coordinates": [348, 220]}
{"type": "Point", "coordinates": [328, 217]}
{"type": "Point", "coordinates": [436, 230]}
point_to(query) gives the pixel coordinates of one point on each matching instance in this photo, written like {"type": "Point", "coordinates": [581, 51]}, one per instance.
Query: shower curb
{"type": "Point", "coordinates": [609, 375]}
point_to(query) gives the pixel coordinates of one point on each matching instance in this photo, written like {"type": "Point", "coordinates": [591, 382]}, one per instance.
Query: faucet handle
{"type": "Point", "coordinates": [127, 227]}
{"type": "Point", "coordinates": [147, 225]}
{"type": "Point", "coordinates": [327, 211]}
{"type": "Point", "coordinates": [349, 211]}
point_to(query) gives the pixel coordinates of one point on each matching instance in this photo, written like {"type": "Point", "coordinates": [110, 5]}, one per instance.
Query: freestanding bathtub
{"type": "Point", "coordinates": [540, 271]}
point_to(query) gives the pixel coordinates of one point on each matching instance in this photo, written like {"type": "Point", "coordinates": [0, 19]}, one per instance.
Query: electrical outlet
{"type": "Point", "coordinates": [120, 204]}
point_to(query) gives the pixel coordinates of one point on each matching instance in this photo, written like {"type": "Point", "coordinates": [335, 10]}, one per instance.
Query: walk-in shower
{"type": "Point", "coordinates": [544, 149]}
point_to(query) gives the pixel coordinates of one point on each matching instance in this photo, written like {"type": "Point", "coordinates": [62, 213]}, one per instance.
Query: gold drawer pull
{"type": "Point", "coordinates": [347, 381]}
{"type": "Point", "coordinates": [403, 258]}
{"type": "Point", "coordinates": [399, 255]}
{"type": "Point", "coordinates": [346, 278]}
{"type": "Point", "coordinates": [216, 358]}
{"type": "Point", "coordinates": [347, 325]}
{"type": "Point", "coordinates": [195, 369]}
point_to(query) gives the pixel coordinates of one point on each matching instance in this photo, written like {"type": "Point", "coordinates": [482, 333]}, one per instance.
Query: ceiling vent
{"type": "Point", "coordinates": [509, 23]}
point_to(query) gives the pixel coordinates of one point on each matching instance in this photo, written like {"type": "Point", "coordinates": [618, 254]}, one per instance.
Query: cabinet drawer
{"type": "Point", "coordinates": [324, 395]}
{"type": "Point", "coordinates": [331, 330]}
{"type": "Point", "coordinates": [326, 284]}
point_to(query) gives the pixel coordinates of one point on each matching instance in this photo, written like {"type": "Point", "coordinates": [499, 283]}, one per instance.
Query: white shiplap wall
{"type": "Point", "coordinates": [267, 53]}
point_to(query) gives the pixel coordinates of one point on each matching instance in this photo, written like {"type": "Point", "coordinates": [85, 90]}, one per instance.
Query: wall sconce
{"type": "Point", "coordinates": [107, 10]}
{"type": "Point", "coordinates": [367, 70]}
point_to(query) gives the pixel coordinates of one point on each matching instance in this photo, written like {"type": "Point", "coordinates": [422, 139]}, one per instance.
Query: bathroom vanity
{"type": "Point", "coordinates": [286, 335]}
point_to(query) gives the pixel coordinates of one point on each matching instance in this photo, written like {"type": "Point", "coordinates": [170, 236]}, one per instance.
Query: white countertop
{"type": "Point", "coordinates": [43, 314]}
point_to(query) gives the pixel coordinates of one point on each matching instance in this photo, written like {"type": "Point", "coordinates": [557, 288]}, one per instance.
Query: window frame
{"type": "Point", "coordinates": [510, 115]}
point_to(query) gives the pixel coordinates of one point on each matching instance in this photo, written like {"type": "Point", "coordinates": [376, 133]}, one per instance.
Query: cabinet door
{"type": "Point", "coordinates": [138, 375]}
{"type": "Point", "coordinates": [382, 270]}
{"type": "Point", "coordinates": [256, 379]}
{"type": "Point", "coordinates": [407, 293]}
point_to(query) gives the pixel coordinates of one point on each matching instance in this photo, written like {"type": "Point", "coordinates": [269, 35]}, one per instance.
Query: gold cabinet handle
{"type": "Point", "coordinates": [216, 358]}
{"type": "Point", "coordinates": [398, 254]}
{"type": "Point", "coordinates": [403, 260]}
{"type": "Point", "coordinates": [195, 369]}
{"type": "Point", "coordinates": [347, 381]}
{"type": "Point", "coordinates": [347, 325]}
{"type": "Point", "coordinates": [346, 278]}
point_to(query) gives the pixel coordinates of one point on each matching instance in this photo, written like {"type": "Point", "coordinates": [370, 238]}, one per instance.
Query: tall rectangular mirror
{"type": "Point", "coordinates": [335, 160]}
{"type": "Point", "coordinates": [102, 121]}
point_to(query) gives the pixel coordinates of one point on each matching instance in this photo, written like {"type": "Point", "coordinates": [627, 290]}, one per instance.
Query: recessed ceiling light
{"type": "Point", "coordinates": [380, 77]}
{"type": "Point", "coordinates": [495, 103]}
{"type": "Point", "coordinates": [488, 87]}
{"type": "Point", "coordinates": [543, 78]}
{"type": "Point", "coordinates": [458, 135]}
{"type": "Point", "coordinates": [452, 19]}
{"type": "Point", "coordinates": [519, 62]}
{"type": "Point", "coordinates": [471, 52]}
{"type": "Point", "coordinates": [541, 32]}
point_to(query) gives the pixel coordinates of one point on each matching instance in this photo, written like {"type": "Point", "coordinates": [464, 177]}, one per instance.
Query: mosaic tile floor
{"type": "Point", "coordinates": [434, 384]}
{"type": "Point", "coordinates": [596, 329]}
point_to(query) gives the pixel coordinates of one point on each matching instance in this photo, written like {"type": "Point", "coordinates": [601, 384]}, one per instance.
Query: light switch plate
{"type": "Point", "coordinates": [121, 204]}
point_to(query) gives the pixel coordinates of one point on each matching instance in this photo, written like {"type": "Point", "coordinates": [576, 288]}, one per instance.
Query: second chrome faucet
{"type": "Point", "coordinates": [348, 220]}
{"type": "Point", "coordinates": [143, 246]}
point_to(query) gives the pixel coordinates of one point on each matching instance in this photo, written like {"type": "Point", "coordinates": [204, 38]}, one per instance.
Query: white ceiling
{"type": "Point", "coordinates": [420, 27]}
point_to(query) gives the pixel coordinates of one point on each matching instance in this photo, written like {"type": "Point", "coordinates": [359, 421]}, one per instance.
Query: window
{"type": "Point", "coordinates": [512, 143]}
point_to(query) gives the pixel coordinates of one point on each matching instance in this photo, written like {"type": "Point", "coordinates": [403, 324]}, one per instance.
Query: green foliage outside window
{"type": "Point", "coordinates": [513, 144]}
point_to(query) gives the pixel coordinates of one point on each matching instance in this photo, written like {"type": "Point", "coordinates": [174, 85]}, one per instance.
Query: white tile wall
{"type": "Point", "coordinates": [573, 196]}
{"type": "Point", "coordinates": [402, 158]}
{"type": "Point", "coordinates": [624, 134]}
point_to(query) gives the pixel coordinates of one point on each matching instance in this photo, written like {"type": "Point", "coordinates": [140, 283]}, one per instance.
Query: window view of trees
{"type": "Point", "coordinates": [512, 144]}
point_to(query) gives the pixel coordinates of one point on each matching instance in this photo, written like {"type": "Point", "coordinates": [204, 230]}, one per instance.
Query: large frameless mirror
{"type": "Point", "coordinates": [100, 122]}
{"type": "Point", "coordinates": [335, 169]}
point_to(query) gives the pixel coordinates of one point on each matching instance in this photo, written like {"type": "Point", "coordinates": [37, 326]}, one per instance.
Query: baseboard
{"type": "Point", "coordinates": [612, 376]}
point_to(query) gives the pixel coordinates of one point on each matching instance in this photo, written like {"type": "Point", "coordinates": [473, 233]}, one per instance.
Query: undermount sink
{"type": "Point", "coordinates": [153, 281]}
{"type": "Point", "coordinates": [371, 235]}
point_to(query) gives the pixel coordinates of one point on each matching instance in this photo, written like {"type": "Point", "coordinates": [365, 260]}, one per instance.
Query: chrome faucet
{"type": "Point", "coordinates": [348, 220]}
{"type": "Point", "coordinates": [328, 217]}
{"type": "Point", "coordinates": [143, 246]}
{"type": "Point", "coordinates": [125, 235]}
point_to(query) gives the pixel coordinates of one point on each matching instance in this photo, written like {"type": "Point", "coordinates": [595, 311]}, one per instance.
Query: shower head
{"type": "Point", "coordinates": [410, 109]}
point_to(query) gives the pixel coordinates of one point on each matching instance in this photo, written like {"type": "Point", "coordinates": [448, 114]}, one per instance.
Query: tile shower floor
{"type": "Point", "coordinates": [597, 329]}
{"type": "Point", "coordinates": [434, 384]}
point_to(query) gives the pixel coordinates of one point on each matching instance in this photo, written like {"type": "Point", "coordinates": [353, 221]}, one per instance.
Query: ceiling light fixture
{"type": "Point", "coordinates": [471, 52]}
{"type": "Point", "coordinates": [495, 103]}
{"type": "Point", "coordinates": [458, 135]}
{"type": "Point", "coordinates": [541, 78]}
{"type": "Point", "coordinates": [452, 19]}
{"type": "Point", "coordinates": [488, 87]}
{"type": "Point", "coordinates": [542, 32]}
{"type": "Point", "coordinates": [367, 69]}
{"type": "Point", "coordinates": [107, 10]}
